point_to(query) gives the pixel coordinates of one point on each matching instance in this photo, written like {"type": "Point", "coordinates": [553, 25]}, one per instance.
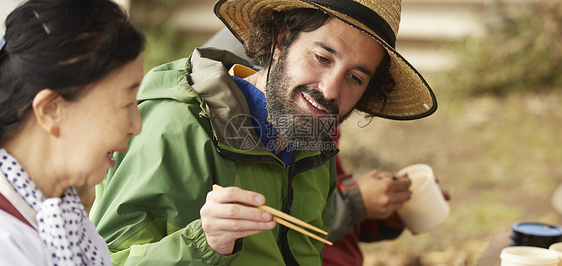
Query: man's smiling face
{"type": "Point", "coordinates": [322, 73]}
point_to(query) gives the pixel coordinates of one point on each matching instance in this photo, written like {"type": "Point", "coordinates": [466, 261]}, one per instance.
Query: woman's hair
{"type": "Point", "coordinates": [63, 45]}
{"type": "Point", "coordinates": [286, 26]}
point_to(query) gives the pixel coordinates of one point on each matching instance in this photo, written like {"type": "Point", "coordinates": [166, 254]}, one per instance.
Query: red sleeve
{"type": "Point", "coordinates": [340, 171]}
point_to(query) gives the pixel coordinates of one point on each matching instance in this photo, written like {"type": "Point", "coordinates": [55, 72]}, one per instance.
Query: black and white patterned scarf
{"type": "Point", "coordinates": [59, 220]}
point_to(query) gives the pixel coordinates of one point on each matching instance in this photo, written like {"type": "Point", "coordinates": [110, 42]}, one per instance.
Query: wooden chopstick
{"type": "Point", "coordinates": [283, 218]}
{"type": "Point", "coordinates": [300, 230]}
{"type": "Point", "coordinates": [290, 218]}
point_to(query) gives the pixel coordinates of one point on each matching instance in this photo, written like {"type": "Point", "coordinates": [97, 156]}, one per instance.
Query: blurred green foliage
{"type": "Point", "coordinates": [520, 51]}
{"type": "Point", "coordinates": [164, 42]}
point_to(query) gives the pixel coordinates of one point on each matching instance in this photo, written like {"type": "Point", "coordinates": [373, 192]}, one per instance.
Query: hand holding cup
{"type": "Point", "coordinates": [383, 193]}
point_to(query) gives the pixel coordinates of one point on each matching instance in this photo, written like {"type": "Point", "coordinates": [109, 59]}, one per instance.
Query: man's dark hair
{"type": "Point", "coordinates": [290, 24]}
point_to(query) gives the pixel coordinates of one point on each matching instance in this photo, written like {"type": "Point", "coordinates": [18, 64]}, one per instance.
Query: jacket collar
{"type": "Point", "coordinates": [223, 100]}
{"type": "Point", "coordinates": [226, 105]}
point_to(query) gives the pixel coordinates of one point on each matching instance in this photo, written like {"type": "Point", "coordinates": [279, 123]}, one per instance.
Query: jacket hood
{"type": "Point", "coordinates": [204, 67]}
{"type": "Point", "coordinates": [204, 77]}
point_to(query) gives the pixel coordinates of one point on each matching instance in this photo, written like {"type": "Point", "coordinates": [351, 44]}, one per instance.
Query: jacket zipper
{"type": "Point", "coordinates": [288, 257]}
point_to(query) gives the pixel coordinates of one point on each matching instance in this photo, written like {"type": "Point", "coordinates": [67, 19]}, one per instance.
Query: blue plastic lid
{"type": "Point", "coordinates": [537, 229]}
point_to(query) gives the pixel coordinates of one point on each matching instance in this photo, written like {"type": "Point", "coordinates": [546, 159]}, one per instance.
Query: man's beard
{"type": "Point", "coordinates": [294, 125]}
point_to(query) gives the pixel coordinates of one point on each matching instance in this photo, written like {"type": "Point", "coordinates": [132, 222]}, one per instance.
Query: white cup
{"type": "Point", "coordinates": [528, 256]}
{"type": "Point", "coordinates": [427, 208]}
{"type": "Point", "coordinates": [557, 247]}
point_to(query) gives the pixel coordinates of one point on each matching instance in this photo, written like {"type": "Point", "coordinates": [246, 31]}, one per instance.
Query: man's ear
{"type": "Point", "coordinates": [281, 37]}
{"type": "Point", "coordinates": [277, 52]}
{"type": "Point", "coordinates": [47, 108]}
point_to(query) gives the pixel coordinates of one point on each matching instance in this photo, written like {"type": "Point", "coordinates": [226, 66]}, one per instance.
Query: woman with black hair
{"type": "Point", "coordinates": [69, 75]}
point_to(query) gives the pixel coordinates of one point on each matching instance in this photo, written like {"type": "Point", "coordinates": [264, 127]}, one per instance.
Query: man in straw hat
{"type": "Point", "coordinates": [364, 208]}
{"type": "Point", "coordinates": [262, 134]}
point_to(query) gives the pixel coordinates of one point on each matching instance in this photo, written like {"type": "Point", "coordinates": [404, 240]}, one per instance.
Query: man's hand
{"type": "Point", "coordinates": [383, 193]}
{"type": "Point", "coordinates": [230, 214]}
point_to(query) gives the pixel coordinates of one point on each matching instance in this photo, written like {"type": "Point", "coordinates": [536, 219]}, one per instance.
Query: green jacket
{"type": "Point", "coordinates": [195, 134]}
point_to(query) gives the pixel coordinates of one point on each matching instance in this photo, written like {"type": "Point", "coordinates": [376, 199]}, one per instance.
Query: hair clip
{"type": "Point", "coordinates": [47, 30]}
{"type": "Point", "coordinates": [2, 42]}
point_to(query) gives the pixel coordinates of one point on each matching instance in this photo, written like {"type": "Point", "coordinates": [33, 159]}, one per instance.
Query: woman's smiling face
{"type": "Point", "coordinates": [100, 121]}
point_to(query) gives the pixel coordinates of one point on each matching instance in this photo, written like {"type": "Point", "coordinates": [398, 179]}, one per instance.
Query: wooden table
{"type": "Point", "coordinates": [491, 256]}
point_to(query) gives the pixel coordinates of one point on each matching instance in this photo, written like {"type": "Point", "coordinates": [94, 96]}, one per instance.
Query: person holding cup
{"type": "Point", "coordinates": [367, 210]}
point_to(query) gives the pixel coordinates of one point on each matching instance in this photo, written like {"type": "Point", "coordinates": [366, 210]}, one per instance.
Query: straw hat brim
{"type": "Point", "coordinates": [411, 98]}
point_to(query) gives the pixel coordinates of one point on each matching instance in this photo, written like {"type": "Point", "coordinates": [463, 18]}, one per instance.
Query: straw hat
{"type": "Point", "coordinates": [411, 97]}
